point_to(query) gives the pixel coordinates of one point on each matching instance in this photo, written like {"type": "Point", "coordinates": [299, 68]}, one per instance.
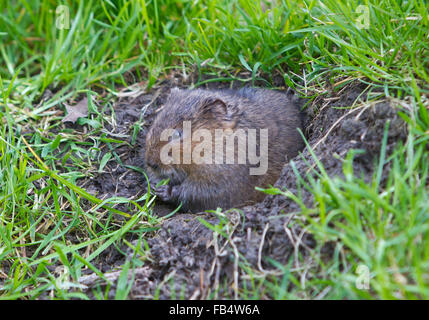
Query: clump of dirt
{"type": "Point", "coordinates": [187, 252]}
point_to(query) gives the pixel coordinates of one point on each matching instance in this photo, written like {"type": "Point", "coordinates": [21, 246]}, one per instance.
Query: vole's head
{"type": "Point", "coordinates": [184, 112]}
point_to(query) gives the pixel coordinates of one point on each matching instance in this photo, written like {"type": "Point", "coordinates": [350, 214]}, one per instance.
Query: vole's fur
{"type": "Point", "coordinates": [208, 186]}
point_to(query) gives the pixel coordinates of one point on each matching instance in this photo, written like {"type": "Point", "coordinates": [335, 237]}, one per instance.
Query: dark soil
{"type": "Point", "coordinates": [185, 255]}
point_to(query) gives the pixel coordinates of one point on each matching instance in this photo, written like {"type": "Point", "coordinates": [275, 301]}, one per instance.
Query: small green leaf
{"type": "Point", "coordinates": [104, 161]}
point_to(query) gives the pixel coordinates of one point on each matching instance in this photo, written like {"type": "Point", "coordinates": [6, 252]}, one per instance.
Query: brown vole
{"type": "Point", "coordinates": [204, 178]}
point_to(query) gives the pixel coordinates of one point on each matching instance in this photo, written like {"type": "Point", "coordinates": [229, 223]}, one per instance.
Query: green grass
{"type": "Point", "coordinates": [316, 46]}
{"type": "Point", "coordinates": [385, 229]}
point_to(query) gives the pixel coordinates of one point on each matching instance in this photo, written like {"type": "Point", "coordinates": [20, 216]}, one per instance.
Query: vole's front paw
{"type": "Point", "coordinates": [166, 193]}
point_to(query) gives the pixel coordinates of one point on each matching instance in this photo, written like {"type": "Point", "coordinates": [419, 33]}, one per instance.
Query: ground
{"type": "Point", "coordinates": [80, 84]}
{"type": "Point", "coordinates": [192, 258]}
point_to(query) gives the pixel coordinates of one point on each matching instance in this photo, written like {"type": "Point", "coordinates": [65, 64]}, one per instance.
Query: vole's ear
{"type": "Point", "coordinates": [217, 108]}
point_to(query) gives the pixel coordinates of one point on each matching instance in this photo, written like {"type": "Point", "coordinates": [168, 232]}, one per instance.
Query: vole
{"type": "Point", "coordinates": [187, 144]}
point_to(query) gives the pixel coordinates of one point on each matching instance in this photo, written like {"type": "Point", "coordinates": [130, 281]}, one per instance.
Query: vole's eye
{"type": "Point", "coordinates": [177, 134]}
